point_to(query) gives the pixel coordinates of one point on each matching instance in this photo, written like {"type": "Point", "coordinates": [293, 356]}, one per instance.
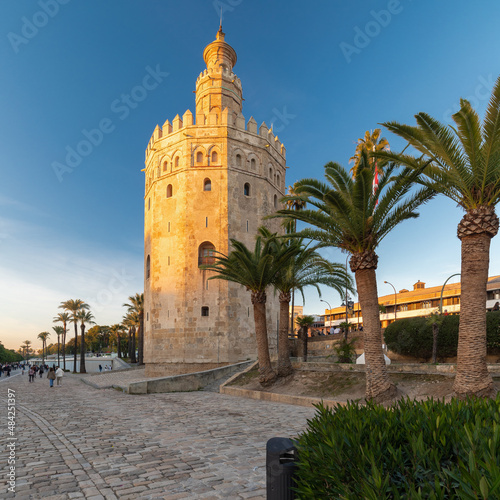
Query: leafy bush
{"type": "Point", "coordinates": [413, 336]}
{"type": "Point", "coordinates": [429, 449]}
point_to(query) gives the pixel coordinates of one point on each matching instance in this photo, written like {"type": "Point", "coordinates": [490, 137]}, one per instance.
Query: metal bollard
{"type": "Point", "coordinates": [280, 467]}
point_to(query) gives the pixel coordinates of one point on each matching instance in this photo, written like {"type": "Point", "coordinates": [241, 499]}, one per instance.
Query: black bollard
{"type": "Point", "coordinates": [280, 467]}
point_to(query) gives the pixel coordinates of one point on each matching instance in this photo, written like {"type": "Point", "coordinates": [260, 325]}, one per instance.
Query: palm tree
{"type": "Point", "coordinates": [43, 337]}
{"type": "Point", "coordinates": [63, 318]}
{"type": "Point", "coordinates": [306, 268]}
{"type": "Point", "coordinates": [354, 216]}
{"type": "Point", "coordinates": [116, 330]}
{"type": "Point", "coordinates": [304, 323]}
{"type": "Point", "coordinates": [256, 271]}
{"type": "Point", "coordinates": [371, 143]}
{"type": "Point", "coordinates": [85, 317]}
{"type": "Point", "coordinates": [59, 331]}
{"type": "Point", "coordinates": [463, 163]}
{"type": "Point", "coordinates": [137, 305]}
{"type": "Point", "coordinates": [131, 321]}
{"type": "Point", "coordinates": [74, 306]}
{"type": "Point", "coordinates": [26, 348]}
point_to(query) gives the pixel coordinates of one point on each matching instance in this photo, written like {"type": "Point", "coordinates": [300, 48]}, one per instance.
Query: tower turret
{"type": "Point", "coordinates": [218, 87]}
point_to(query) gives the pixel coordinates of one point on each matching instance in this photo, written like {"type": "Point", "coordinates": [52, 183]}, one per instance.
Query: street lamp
{"type": "Point", "coordinates": [329, 307]}
{"type": "Point", "coordinates": [395, 298]}
{"type": "Point", "coordinates": [442, 290]}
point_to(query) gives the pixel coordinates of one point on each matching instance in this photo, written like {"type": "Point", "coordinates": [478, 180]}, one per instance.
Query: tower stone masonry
{"type": "Point", "coordinates": [208, 178]}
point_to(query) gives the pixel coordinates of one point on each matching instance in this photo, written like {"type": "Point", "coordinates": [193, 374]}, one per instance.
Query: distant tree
{"type": "Point", "coordinates": [43, 337]}
{"type": "Point", "coordinates": [63, 318]}
{"type": "Point", "coordinates": [85, 317]}
{"type": "Point", "coordinates": [304, 323]}
{"type": "Point", "coordinates": [73, 306]}
{"type": "Point", "coordinates": [136, 305]}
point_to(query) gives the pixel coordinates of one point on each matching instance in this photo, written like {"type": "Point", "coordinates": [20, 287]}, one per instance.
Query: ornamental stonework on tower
{"type": "Point", "coordinates": [209, 178]}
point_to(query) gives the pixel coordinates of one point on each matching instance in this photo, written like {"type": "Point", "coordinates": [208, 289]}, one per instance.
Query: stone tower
{"type": "Point", "coordinates": [209, 178]}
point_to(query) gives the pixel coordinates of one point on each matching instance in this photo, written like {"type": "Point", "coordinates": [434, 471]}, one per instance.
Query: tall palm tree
{"type": "Point", "coordinates": [85, 317]}
{"type": "Point", "coordinates": [256, 271]}
{"type": "Point", "coordinates": [43, 337]}
{"type": "Point", "coordinates": [131, 321]}
{"type": "Point", "coordinates": [27, 348]}
{"type": "Point", "coordinates": [370, 143]}
{"type": "Point", "coordinates": [59, 331]}
{"type": "Point", "coordinates": [73, 306]}
{"type": "Point", "coordinates": [136, 304]}
{"type": "Point", "coordinates": [63, 318]}
{"type": "Point", "coordinates": [304, 323]}
{"type": "Point", "coordinates": [463, 163]}
{"type": "Point", "coordinates": [352, 215]}
{"type": "Point", "coordinates": [116, 331]}
{"type": "Point", "coordinates": [306, 268]}
{"type": "Point", "coordinates": [293, 203]}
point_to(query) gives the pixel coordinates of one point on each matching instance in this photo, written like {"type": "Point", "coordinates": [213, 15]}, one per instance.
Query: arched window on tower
{"type": "Point", "coordinates": [148, 267]}
{"type": "Point", "coordinates": [169, 191]}
{"type": "Point", "coordinates": [275, 201]}
{"type": "Point", "coordinates": [278, 180]}
{"type": "Point", "coordinates": [246, 189]}
{"type": "Point", "coordinates": [238, 161]}
{"type": "Point", "coordinates": [253, 165]}
{"type": "Point", "coordinates": [199, 157]}
{"type": "Point", "coordinates": [177, 162]}
{"type": "Point", "coordinates": [206, 254]}
{"type": "Point", "coordinates": [215, 158]}
{"type": "Point", "coordinates": [165, 166]}
{"type": "Point", "coordinates": [207, 185]}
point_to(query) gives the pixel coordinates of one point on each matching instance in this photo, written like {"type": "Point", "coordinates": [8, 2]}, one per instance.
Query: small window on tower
{"type": "Point", "coordinates": [238, 160]}
{"type": "Point", "coordinates": [206, 254]}
{"type": "Point", "coordinates": [207, 185]}
{"type": "Point", "coordinates": [165, 166]}
{"type": "Point", "coordinates": [148, 267]}
{"type": "Point", "coordinates": [177, 162]}
{"type": "Point", "coordinates": [204, 311]}
{"type": "Point", "coordinates": [199, 157]}
{"type": "Point", "coordinates": [169, 191]}
{"type": "Point", "coordinates": [215, 157]}
{"type": "Point", "coordinates": [246, 189]}
{"type": "Point", "coordinates": [275, 201]}
{"type": "Point", "coordinates": [253, 164]}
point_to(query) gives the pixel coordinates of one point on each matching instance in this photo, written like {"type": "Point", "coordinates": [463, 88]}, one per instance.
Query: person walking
{"type": "Point", "coordinates": [59, 375]}
{"type": "Point", "coordinates": [100, 368]}
{"type": "Point", "coordinates": [31, 374]}
{"type": "Point", "coordinates": [51, 376]}
{"type": "Point", "coordinates": [41, 371]}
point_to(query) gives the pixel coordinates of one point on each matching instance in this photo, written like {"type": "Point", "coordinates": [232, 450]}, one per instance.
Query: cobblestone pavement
{"type": "Point", "coordinates": [75, 441]}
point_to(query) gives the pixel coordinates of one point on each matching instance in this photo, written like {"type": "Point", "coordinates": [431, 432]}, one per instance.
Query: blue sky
{"type": "Point", "coordinates": [323, 72]}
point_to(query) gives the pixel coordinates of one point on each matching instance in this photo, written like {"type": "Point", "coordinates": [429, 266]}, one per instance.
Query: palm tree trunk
{"type": "Point", "coordinates": [435, 331]}
{"type": "Point", "coordinates": [141, 339]}
{"type": "Point", "coordinates": [266, 372]}
{"type": "Point", "coordinates": [302, 350]}
{"type": "Point", "coordinates": [82, 349]}
{"type": "Point", "coordinates": [378, 386]}
{"type": "Point", "coordinates": [133, 358]}
{"type": "Point", "coordinates": [75, 350]}
{"type": "Point", "coordinates": [118, 346]}
{"type": "Point", "coordinates": [284, 364]}
{"type": "Point", "coordinates": [58, 361]}
{"type": "Point", "coordinates": [64, 347]}
{"type": "Point", "coordinates": [472, 377]}
{"type": "Point", "coordinates": [130, 343]}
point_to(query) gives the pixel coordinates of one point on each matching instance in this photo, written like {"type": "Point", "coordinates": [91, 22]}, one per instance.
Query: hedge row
{"type": "Point", "coordinates": [428, 449]}
{"type": "Point", "coordinates": [413, 336]}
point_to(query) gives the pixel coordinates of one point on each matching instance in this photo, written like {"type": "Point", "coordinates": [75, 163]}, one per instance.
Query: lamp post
{"type": "Point", "coordinates": [329, 307]}
{"type": "Point", "coordinates": [442, 290]}
{"type": "Point", "coordinates": [395, 298]}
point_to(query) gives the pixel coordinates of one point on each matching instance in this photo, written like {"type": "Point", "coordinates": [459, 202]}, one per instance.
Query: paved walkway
{"type": "Point", "coordinates": [75, 441]}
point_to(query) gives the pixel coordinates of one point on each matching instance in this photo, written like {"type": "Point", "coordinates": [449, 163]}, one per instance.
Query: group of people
{"type": "Point", "coordinates": [53, 373]}
{"type": "Point", "coordinates": [106, 368]}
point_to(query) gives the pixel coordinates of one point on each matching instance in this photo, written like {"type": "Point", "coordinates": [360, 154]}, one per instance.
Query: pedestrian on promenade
{"type": "Point", "coordinates": [100, 368]}
{"type": "Point", "coordinates": [31, 374]}
{"type": "Point", "coordinates": [41, 371]}
{"type": "Point", "coordinates": [51, 376]}
{"type": "Point", "coordinates": [59, 375]}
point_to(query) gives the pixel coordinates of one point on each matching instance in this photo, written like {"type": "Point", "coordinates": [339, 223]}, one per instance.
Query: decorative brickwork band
{"type": "Point", "coordinates": [364, 260]}
{"type": "Point", "coordinates": [479, 220]}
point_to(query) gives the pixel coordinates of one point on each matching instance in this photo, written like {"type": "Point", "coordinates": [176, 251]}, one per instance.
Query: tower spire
{"type": "Point", "coordinates": [220, 25]}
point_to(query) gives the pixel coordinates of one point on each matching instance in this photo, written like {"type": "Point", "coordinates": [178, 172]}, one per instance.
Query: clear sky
{"type": "Point", "coordinates": [322, 71]}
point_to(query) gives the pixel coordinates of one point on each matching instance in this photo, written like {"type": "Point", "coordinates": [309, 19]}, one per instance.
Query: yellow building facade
{"type": "Point", "coordinates": [209, 177]}
{"type": "Point", "coordinates": [420, 301]}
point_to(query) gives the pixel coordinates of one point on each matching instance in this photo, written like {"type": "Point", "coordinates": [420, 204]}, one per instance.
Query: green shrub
{"type": "Point", "coordinates": [413, 336]}
{"type": "Point", "coordinates": [345, 351]}
{"type": "Point", "coordinates": [413, 450]}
